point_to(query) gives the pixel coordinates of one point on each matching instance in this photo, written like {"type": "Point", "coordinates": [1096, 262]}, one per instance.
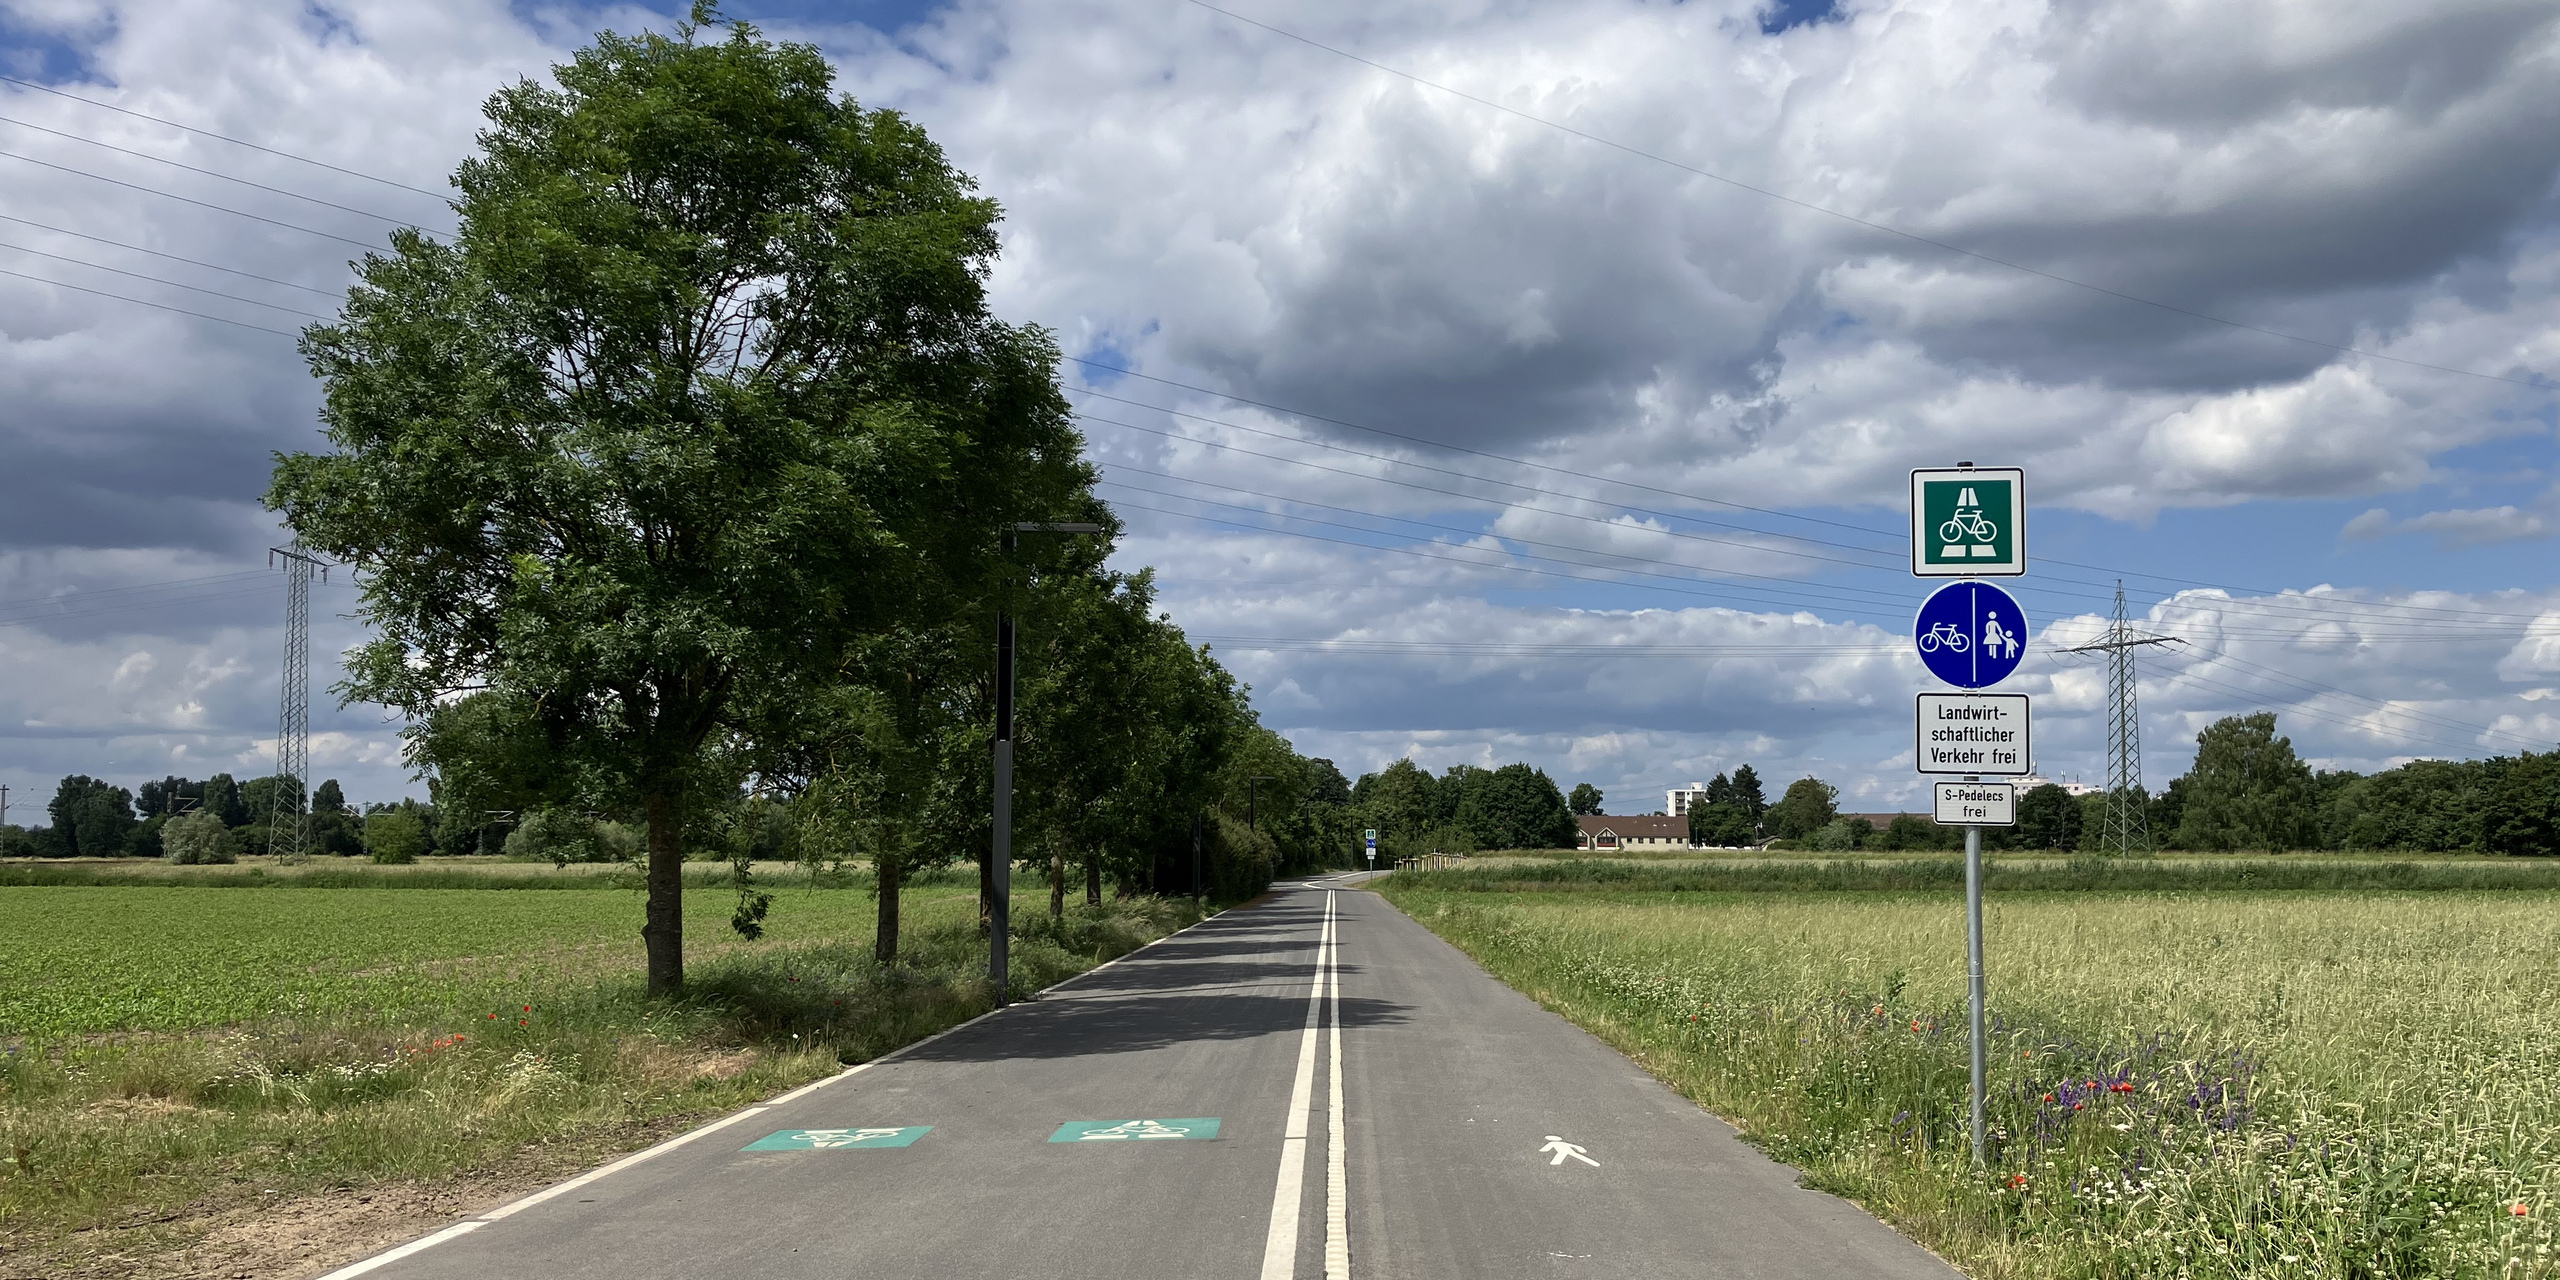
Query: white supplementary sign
{"type": "Point", "coordinates": [1566, 1151]}
{"type": "Point", "coordinates": [1973, 733]}
{"type": "Point", "coordinates": [1977, 804]}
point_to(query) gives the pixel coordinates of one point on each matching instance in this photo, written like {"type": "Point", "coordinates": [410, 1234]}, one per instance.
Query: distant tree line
{"type": "Point", "coordinates": [1466, 809]}
{"type": "Point", "coordinates": [2248, 790]}
{"type": "Point", "coordinates": [211, 820]}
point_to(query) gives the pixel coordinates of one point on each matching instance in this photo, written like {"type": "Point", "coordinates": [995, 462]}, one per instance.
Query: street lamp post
{"type": "Point", "coordinates": [1000, 855]}
{"type": "Point", "coordinates": [1252, 809]}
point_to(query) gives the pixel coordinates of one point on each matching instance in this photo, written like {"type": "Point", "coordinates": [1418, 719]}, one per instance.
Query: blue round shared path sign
{"type": "Point", "coordinates": [1971, 634]}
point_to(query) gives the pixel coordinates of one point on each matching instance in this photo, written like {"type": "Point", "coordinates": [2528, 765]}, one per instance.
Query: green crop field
{"type": "Point", "coordinates": [2184, 1084]}
{"type": "Point", "coordinates": [168, 1054]}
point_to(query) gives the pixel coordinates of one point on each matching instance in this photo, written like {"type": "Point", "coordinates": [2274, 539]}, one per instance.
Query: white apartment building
{"type": "Point", "coordinates": [2032, 781]}
{"type": "Point", "coordinates": [1677, 800]}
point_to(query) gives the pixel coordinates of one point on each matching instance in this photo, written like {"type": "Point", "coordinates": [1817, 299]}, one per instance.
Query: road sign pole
{"type": "Point", "coordinates": [999, 879]}
{"type": "Point", "coordinates": [1973, 950]}
{"type": "Point", "coordinates": [1000, 895]}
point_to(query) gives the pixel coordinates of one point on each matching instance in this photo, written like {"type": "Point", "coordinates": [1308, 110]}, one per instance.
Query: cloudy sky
{"type": "Point", "coordinates": [1486, 380]}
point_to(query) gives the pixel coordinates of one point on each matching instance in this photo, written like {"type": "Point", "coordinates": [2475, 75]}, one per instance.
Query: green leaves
{"type": "Point", "coordinates": [705, 394]}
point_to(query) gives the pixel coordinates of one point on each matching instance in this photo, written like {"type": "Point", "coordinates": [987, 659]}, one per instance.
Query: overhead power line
{"type": "Point", "coordinates": [193, 262]}
{"type": "Point", "coordinates": [216, 174]}
{"type": "Point", "coordinates": [243, 324]}
{"type": "Point", "coordinates": [92, 593]}
{"type": "Point", "coordinates": [2315, 712]}
{"type": "Point", "coordinates": [1504, 648]}
{"type": "Point", "coordinates": [1762, 596]}
{"type": "Point", "coordinates": [201, 204]}
{"type": "Point", "coordinates": [222, 137]}
{"type": "Point", "coordinates": [136, 275]}
{"type": "Point", "coordinates": [1851, 595]}
{"type": "Point", "coordinates": [2537, 382]}
{"type": "Point", "coordinates": [2461, 618]}
{"type": "Point", "coordinates": [1452, 448]}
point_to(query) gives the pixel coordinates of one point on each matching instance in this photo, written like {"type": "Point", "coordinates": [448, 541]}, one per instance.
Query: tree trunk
{"type": "Point", "coordinates": [888, 874]}
{"type": "Point", "coordinates": [663, 931]}
{"type": "Point", "coordinates": [1093, 877]}
{"type": "Point", "coordinates": [1057, 885]}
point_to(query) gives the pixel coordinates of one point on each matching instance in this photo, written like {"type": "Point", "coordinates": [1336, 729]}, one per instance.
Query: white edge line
{"type": "Point", "coordinates": [414, 1246]}
{"type": "Point", "coordinates": [518, 1206]}
{"type": "Point", "coordinates": [477, 1221]}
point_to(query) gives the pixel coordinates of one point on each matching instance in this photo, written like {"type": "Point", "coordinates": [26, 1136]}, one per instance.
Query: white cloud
{"type": "Point", "coordinates": [1227, 208]}
{"type": "Point", "coordinates": [2457, 527]}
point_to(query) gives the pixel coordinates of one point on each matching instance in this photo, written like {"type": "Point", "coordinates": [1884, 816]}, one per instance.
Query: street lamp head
{"type": "Point", "coordinates": [1055, 526]}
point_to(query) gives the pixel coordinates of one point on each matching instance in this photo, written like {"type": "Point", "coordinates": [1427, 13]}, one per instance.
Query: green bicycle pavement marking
{"type": "Point", "coordinates": [832, 1139]}
{"type": "Point", "coordinates": [1197, 1128]}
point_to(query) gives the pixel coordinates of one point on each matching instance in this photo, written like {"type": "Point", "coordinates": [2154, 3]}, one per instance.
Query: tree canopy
{"type": "Point", "coordinates": [2248, 790]}
{"type": "Point", "coordinates": [705, 391]}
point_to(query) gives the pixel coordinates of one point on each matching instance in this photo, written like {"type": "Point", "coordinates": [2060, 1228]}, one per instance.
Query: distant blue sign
{"type": "Point", "coordinates": [1971, 634]}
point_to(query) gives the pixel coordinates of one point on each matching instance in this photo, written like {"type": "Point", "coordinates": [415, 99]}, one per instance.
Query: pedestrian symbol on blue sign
{"type": "Point", "coordinates": [1970, 634]}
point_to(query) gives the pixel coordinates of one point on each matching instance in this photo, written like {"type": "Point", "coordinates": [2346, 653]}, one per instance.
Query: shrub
{"type": "Point", "coordinates": [198, 838]}
{"type": "Point", "coordinates": [1842, 834]}
{"type": "Point", "coordinates": [561, 837]}
{"type": "Point", "coordinates": [395, 836]}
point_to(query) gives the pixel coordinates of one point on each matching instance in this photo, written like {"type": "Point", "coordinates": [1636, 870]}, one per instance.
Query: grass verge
{"type": "Point", "coordinates": [2227, 1085]}
{"type": "Point", "coordinates": [173, 1054]}
{"type": "Point", "coordinates": [2075, 874]}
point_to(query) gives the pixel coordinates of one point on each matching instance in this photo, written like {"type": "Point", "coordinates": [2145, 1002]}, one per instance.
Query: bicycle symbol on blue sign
{"type": "Point", "coordinates": [1970, 634]}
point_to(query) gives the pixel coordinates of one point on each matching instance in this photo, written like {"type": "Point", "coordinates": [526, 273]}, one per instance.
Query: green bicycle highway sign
{"type": "Point", "coordinates": [1968, 522]}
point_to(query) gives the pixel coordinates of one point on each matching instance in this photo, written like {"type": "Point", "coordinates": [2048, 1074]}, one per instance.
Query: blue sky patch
{"type": "Point", "coordinates": [1783, 14]}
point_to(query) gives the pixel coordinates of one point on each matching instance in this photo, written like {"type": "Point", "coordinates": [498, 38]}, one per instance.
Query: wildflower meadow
{"type": "Point", "coordinates": [2218, 1084]}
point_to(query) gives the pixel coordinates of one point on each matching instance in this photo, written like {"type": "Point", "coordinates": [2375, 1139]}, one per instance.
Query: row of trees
{"type": "Point", "coordinates": [2249, 790]}
{"type": "Point", "coordinates": [1465, 809]}
{"type": "Point", "coordinates": [92, 818]}
{"type": "Point", "coordinates": [683, 487]}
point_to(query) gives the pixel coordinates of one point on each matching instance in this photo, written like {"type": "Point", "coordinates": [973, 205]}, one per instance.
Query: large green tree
{"type": "Point", "coordinates": [2048, 818]}
{"type": "Point", "coordinates": [1748, 796]}
{"type": "Point", "coordinates": [93, 818]}
{"type": "Point", "coordinates": [2247, 790]}
{"type": "Point", "coordinates": [703, 391]}
{"type": "Point", "coordinates": [1808, 806]}
{"type": "Point", "coordinates": [1516, 807]}
{"type": "Point", "coordinates": [1401, 801]}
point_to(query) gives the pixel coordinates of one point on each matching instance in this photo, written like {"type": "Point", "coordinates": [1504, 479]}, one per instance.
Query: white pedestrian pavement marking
{"type": "Point", "coordinates": [1566, 1151]}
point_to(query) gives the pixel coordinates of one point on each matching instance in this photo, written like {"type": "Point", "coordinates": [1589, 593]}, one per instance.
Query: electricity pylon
{"type": "Point", "coordinates": [288, 818]}
{"type": "Point", "coordinates": [2128, 824]}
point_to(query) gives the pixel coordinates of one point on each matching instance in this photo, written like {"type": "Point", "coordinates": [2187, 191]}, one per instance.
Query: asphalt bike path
{"type": "Point", "coordinates": [1310, 1086]}
{"type": "Point", "coordinates": [1492, 1138]}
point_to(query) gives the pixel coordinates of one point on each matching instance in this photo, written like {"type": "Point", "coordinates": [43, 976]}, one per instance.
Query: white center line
{"type": "Point", "coordinates": [1280, 1248]}
{"type": "Point", "coordinates": [1337, 1231]}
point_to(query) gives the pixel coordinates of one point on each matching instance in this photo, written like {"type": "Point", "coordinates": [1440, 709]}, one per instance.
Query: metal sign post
{"type": "Point", "coordinates": [1974, 992]}
{"type": "Point", "coordinates": [999, 905]}
{"type": "Point", "coordinates": [1971, 522]}
{"type": "Point", "coordinates": [1372, 836]}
